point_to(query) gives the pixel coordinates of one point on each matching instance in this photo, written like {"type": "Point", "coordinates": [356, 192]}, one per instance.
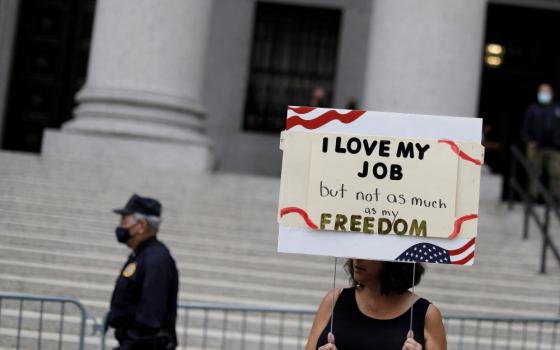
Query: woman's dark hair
{"type": "Point", "coordinates": [396, 277]}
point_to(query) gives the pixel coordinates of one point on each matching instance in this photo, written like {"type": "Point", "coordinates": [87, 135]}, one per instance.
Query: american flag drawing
{"type": "Point", "coordinates": [431, 253]}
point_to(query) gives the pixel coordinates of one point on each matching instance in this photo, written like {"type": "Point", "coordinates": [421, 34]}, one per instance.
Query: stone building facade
{"type": "Point", "coordinates": [200, 85]}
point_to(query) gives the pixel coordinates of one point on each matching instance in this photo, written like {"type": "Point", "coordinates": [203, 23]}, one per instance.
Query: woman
{"type": "Point", "coordinates": [375, 312]}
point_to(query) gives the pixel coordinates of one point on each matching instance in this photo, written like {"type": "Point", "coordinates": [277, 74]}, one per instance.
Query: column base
{"type": "Point", "coordinates": [108, 150]}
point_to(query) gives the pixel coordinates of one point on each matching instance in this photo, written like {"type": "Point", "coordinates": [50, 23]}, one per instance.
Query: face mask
{"type": "Point", "coordinates": [123, 234]}
{"type": "Point", "coordinates": [544, 97]}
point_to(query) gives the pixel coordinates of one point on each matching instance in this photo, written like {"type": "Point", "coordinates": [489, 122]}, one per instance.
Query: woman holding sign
{"type": "Point", "coordinates": [375, 313]}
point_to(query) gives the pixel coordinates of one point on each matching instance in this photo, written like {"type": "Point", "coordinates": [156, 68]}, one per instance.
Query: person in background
{"type": "Point", "coordinates": [541, 133]}
{"type": "Point", "coordinates": [352, 103]}
{"type": "Point", "coordinates": [318, 97]}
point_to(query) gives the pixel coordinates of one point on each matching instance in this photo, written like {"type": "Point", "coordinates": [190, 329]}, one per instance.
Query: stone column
{"type": "Point", "coordinates": [425, 56]}
{"type": "Point", "coordinates": [142, 98]}
{"type": "Point", "coordinates": [8, 26]}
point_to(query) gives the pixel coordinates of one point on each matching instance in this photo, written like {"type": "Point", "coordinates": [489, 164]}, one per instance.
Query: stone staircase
{"type": "Point", "coordinates": [56, 238]}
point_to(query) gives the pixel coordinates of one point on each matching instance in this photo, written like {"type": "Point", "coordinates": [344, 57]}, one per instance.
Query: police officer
{"type": "Point", "coordinates": [144, 302]}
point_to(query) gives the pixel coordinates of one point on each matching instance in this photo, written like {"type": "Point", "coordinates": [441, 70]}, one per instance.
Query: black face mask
{"type": "Point", "coordinates": [123, 234]}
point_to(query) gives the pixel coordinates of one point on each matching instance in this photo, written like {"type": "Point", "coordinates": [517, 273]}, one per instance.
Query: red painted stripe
{"type": "Point", "coordinates": [462, 249]}
{"type": "Point", "coordinates": [324, 119]}
{"type": "Point", "coordinates": [459, 152]}
{"type": "Point", "coordinates": [302, 213]}
{"type": "Point", "coordinates": [464, 260]}
{"type": "Point", "coordinates": [459, 223]}
{"type": "Point", "coordinates": [301, 110]}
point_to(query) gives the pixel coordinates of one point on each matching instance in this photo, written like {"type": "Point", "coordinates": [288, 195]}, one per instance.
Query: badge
{"type": "Point", "coordinates": [129, 270]}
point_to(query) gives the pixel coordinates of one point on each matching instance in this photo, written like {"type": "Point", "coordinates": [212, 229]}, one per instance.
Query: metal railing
{"type": "Point", "coordinates": [225, 326]}
{"type": "Point", "coordinates": [217, 326]}
{"type": "Point", "coordinates": [477, 333]}
{"type": "Point", "coordinates": [39, 321]}
{"type": "Point", "coordinates": [44, 322]}
{"type": "Point", "coordinates": [529, 195]}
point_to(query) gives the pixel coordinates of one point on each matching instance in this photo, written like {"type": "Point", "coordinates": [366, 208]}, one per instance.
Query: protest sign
{"type": "Point", "coordinates": [380, 185]}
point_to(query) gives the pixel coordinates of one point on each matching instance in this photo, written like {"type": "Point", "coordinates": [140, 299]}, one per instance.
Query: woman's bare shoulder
{"type": "Point", "coordinates": [331, 295]}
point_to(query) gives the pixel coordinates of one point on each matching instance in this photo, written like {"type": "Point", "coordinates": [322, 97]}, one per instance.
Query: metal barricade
{"type": "Point", "coordinates": [42, 322]}
{"type": "Point", "coordinates": [226, 326]}
{"type": "Point", "coordinates": [222, 326]}
{"type": "Point", "coordinates": [215, 326]}
{"type": "Point", "coordinates": [494, 332]}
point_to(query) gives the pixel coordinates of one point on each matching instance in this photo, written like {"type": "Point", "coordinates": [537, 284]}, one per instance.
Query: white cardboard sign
{"type": "Point", "coordinates": [379, 185]}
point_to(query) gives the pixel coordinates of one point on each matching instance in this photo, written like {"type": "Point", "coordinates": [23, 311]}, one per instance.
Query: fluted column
{"type": "Point", "coordinates": [425, 56]}
{"type": "Point", "coordinates": [143, 89]}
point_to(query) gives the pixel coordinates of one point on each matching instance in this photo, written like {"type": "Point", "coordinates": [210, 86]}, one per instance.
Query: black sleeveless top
{"type": "Point", "coordinates": [354, 330]}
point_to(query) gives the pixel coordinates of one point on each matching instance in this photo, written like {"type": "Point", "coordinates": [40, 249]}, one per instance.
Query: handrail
{"type": "Point", "coordinates": [536, 188]}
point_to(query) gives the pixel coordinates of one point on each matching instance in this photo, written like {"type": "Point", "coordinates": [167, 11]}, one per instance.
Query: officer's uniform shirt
{"type": "Point", "coordinates": [542, 125]}
{"type": "Point", "coordinates": [144, 302]}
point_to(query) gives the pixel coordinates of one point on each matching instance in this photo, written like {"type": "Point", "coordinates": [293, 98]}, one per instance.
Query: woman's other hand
{"type": "Point", "coordinates": [330, 345]}
{"type": "Point", "coordinates": [410, 343]}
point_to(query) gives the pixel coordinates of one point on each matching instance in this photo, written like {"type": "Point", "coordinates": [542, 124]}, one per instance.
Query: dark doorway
{"type": "Point", "coordinates": [49, 67]}
{"type": "Point", "coordinates": [293, 55]}
{"type": "Point", "coordinates": [526, 54]}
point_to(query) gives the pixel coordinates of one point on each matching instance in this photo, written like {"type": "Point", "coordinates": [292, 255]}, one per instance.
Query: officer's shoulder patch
{"type": "Point", "coordinates": [129, 270]}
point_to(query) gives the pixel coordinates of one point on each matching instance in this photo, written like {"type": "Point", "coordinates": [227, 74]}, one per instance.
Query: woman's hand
{"type": "Point", "coordinates": [330, 345]}
{"type": "Point", "coordinates": [410, 343]}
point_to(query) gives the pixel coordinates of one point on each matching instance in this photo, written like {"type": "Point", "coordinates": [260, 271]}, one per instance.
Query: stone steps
{"type": "Point", "coordinates": [61, 259]}
{"type": "Point", "coordinates": [77, 223]}
{"type": "Point", "coordinates": [185, 244]}
{"type": "Point", "coordinates": [56, 238]}
{"type": "Point", "coordinates": [188, 251]}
